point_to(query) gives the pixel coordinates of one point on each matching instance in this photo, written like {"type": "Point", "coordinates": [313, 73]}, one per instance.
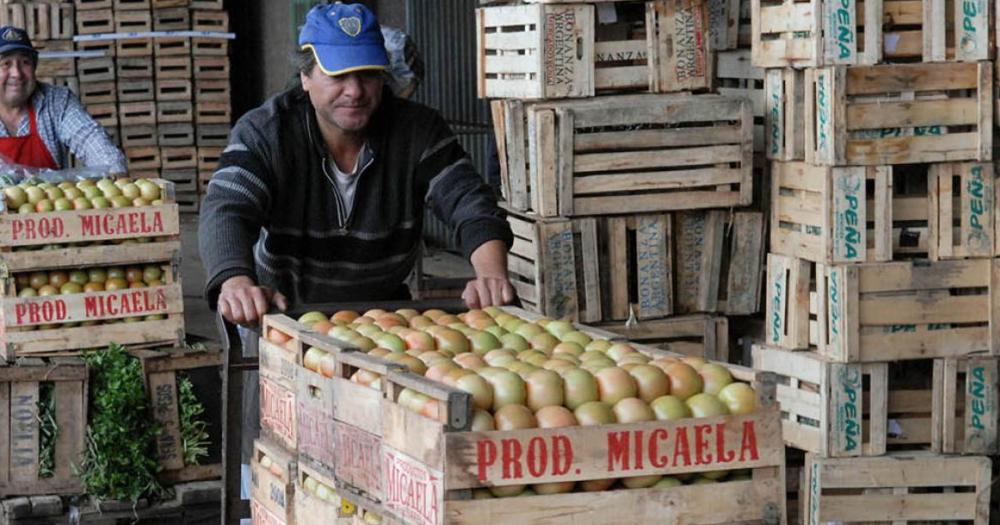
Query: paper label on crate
{"type": "Point", "coordinates": [87, 225]}
{"type": "Point", "coordinates": [315, 433]}
{"type": "Point", "coordinates": [977, 206]}
{"type": "Point", "coordinates": [981, 407]}
{"type": "Point", "coordinates": [577, 453]}
{"type": "Point", "coordinates": [413, 492]}
{"type": "Point", "coordinates": [689, 43]}
{"type": "Point", "coordinates": [846, 398]}
{"type": "Point", "coordinates": [973, 32]}
{"type": "Point", "coordinates": [849, 210]}
{"type": "Point", "coordinates": [259, 515]}
{"type": "Point", "coordinates": [561, 63]}
{"type": "Point", "coordinates": [774, 113]}
{"type": "Point", "coordinates": [358, 458]}
{"type": "Point", "coordinates": [277, 410]}
{"type": "Point", "coordinates": [839, 35]}
{"type": "Point", "coordinates": [73, 308]}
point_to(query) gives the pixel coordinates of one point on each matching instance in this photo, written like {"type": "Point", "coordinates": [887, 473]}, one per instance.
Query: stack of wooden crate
{"type": "Point", "coordinates": [628, 196]}
{"type": "Point", "coordinates": [881, 294]}
{"type": "Point", "coordinates": [50, 27]}
{"type": "Point", "coordinates": [43, 332]}
{"type": "Point", "coordinates": [166, 97]}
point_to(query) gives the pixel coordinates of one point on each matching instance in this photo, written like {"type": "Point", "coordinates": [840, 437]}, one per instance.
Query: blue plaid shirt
{"type": "Point", "coordinates": [64, 123]}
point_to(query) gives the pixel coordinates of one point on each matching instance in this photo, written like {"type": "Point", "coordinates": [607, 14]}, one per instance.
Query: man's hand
{"type": "Point", "coordinates": [488, 291]}
{"type": "Point", "coordinates": [491, 287]}
{"type": "Point", "coordinates": [241, 301]}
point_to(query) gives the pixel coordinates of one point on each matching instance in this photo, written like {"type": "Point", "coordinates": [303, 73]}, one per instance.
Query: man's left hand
{"type": "Point", "coordinates": [488, 291]}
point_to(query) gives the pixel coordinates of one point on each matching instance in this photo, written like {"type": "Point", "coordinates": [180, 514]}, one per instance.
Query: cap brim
{"type": "Point", "coordinates": [10, 48]}
{"type": "Point", "coordinates": [340, 60]}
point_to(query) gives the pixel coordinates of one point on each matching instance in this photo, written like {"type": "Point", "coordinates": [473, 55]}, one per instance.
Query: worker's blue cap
{"type": "Point", "coordinates": [15, 39]}
{"type": "Point", "coordinates": [344, 38]}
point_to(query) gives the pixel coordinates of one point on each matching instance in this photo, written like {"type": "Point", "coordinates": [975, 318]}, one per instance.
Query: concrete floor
{"type": "Point", "coordinates": [200, 320]}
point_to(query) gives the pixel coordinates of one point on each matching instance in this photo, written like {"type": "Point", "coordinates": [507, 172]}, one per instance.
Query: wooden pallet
{"type": "Point", "coordinates": [143, 159]}
{"type": "Point", "coordinates": [901, 488]}
{"type": "Point", "coordinates": [644, 266]}
{"type": "Point", "coordinates": [817, 33]}
{"type": "Point", "coordinates": [20, 393]}
{"type": "Point", "coordinates": [556, 51]}
{"type": "Point", "coordinates": [899, 114]}
{"type": "Point", "coordinates": [439, 457]}
{"type": "Point", "coordinates": [906, 310]}
{"type": "Point", "coordinates": [702, 335]}
{"type": "Point", "coordinates": [784, 114]}
{"type": "Point", "coordinates": [160, 369]}
{"type": "Point", "coordinates": [626, 154]}
{"type": "Point", "coordinates": [272, 491]}
{"type": "Point", "coordinates": [45, 325]}
{"type": "Point", "coordinates": [736, 77]}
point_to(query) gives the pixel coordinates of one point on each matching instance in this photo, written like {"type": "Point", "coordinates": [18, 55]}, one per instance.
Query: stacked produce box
{"type": "Point", "coordinates": [881, 297]}
{"type": "Point", "coordinates": [164, 96]}
{"type": "Point", "coordinates": [503, 416]}
{"type": "Point", "coordinates": [628, 181]}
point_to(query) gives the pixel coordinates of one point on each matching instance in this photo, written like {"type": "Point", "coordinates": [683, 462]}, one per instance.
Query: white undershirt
{"type": "Point", "coordinates": [347, 182]}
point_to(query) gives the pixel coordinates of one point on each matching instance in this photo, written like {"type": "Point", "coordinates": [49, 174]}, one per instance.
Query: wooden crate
{"type": "Point", "coordinates": [899, 114]}
{"type": "Point", "coordinates": [170, 111]}
{"type": "Point", "coordinates": [702, 335]}
{"type": "Point", "coordinates": [310, 509]}
{"type": "Point", "coordinates": [208, 158]}
{"type": "Point", "coordinates": [963, 226]}
{"type": "Point", "coordinates": [965, 406]}
{"type": "Point", "coordinates": [42, 21]}
{"type": "Point", "coordinates": [171, 47]}
{"type": "Point", "coordinates": [96, 70]}
{"type": "Point", "coordinates": [173, 67]}
{"type": "Point", "coordinates": [164, 4]}
{"type": "Point", "coordinates": [131, 5]}
{"type": "Point", "coordinates": [210, 67]}
{"type": "Point", "coordinates": [137, 113]}
{"type": "Point", "coordinates": [438, 457]}
{"type": "Point", "coordinates": [138, 136]}
{"type": "Point", "coordinates": [133, 21]}
{"type": "Point", "coordinates": [789, 318]}
{"type": "Point", "coordinates": [213, 113]}
{"type": "Point", "coordinates": [272, 491]}
{"type": "Point", "coordinates": [45, 325]}
{"type": "Point", "coordinates": [55, 67]}
{"type": "Point", "coordinates": [784, 114]}
{"type": "Point", "coordinates": [20, 393]}
{"type": "Point", "coordinates": [160, 369]}
{"type": "Point", "coordinates": [134, 47]}
{"type": "Point", "coordinates": [106, 47]}
{"type": "Point", "coordinates": [207, 4]}
{"type": "Point", "coordinates": [643, 266]}
{"type": "Point", "coordinates": [179, 159]}
{"type": "Point", "coordinates": [93, 22]}
{"type": "Point", "coordinates": [212, 135]}
{"type": "Point", "coordinates": [134, 67]}
{"type": "Point", "coordinates": [175, 134]}
{"type": "Point", "coordinates": [82, 234]}
{"type": "Point", "coordinates": [212, 47]}
{"type": "Point", "coordinates": [557, 51]}
{"type": "Point", "coordinates": [136, 90]}
{"type": "Point", "coordinates": [626, 154]}
{"type": "Point", "coordinates": [92, 4]}
{"type": "Point", "coordinates": [211, 90]}
{"type": "Point", "coordinates": [175, 19]}
{"type": "Point", "coordinates": [737, 77]}
{"type": "Point", "coordinates": [98, 93]}
{"type": "Point", "coordinates": [817, 33]}
{"type": "Point", "coordinates": [906, 310]}
{"type": "Point", "coordinates": [901, 488]}
{"type": "Point", "coordinates": [186, 182]}
{"type": "Point", "coordinates": [215, 21]}
{"type": "Point", "coordinates": [170, 89]}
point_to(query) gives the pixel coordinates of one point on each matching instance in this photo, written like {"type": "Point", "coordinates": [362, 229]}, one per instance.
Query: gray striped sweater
{"type": "Point", "coordinates": [272, 210]}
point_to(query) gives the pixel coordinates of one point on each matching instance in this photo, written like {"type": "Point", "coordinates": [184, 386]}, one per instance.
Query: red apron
{"type": "Point", "coordinates": [29, 150]}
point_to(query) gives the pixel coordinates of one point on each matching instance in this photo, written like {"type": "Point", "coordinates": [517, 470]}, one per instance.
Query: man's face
{"type": "Point", "coordinates": [345, 101]}
{"type": "Point", "coordinates": [17, 78]}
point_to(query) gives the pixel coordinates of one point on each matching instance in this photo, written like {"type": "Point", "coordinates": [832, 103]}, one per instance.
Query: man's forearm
{"type": "Point", "coordinates": [490, 259]}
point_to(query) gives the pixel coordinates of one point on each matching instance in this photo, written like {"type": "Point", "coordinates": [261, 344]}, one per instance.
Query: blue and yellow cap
{"type": "Point", "coordinates": [344, 38]}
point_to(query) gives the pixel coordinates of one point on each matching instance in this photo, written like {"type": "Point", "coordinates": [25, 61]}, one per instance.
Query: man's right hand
{"type": "Point", "coordinates": [241, 301]}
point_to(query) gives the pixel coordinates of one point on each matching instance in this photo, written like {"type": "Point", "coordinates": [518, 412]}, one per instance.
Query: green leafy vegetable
{"type": "Point", "coordinates": [48, 429]}
{"type": "Point", "coordinates": [194, 435]}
